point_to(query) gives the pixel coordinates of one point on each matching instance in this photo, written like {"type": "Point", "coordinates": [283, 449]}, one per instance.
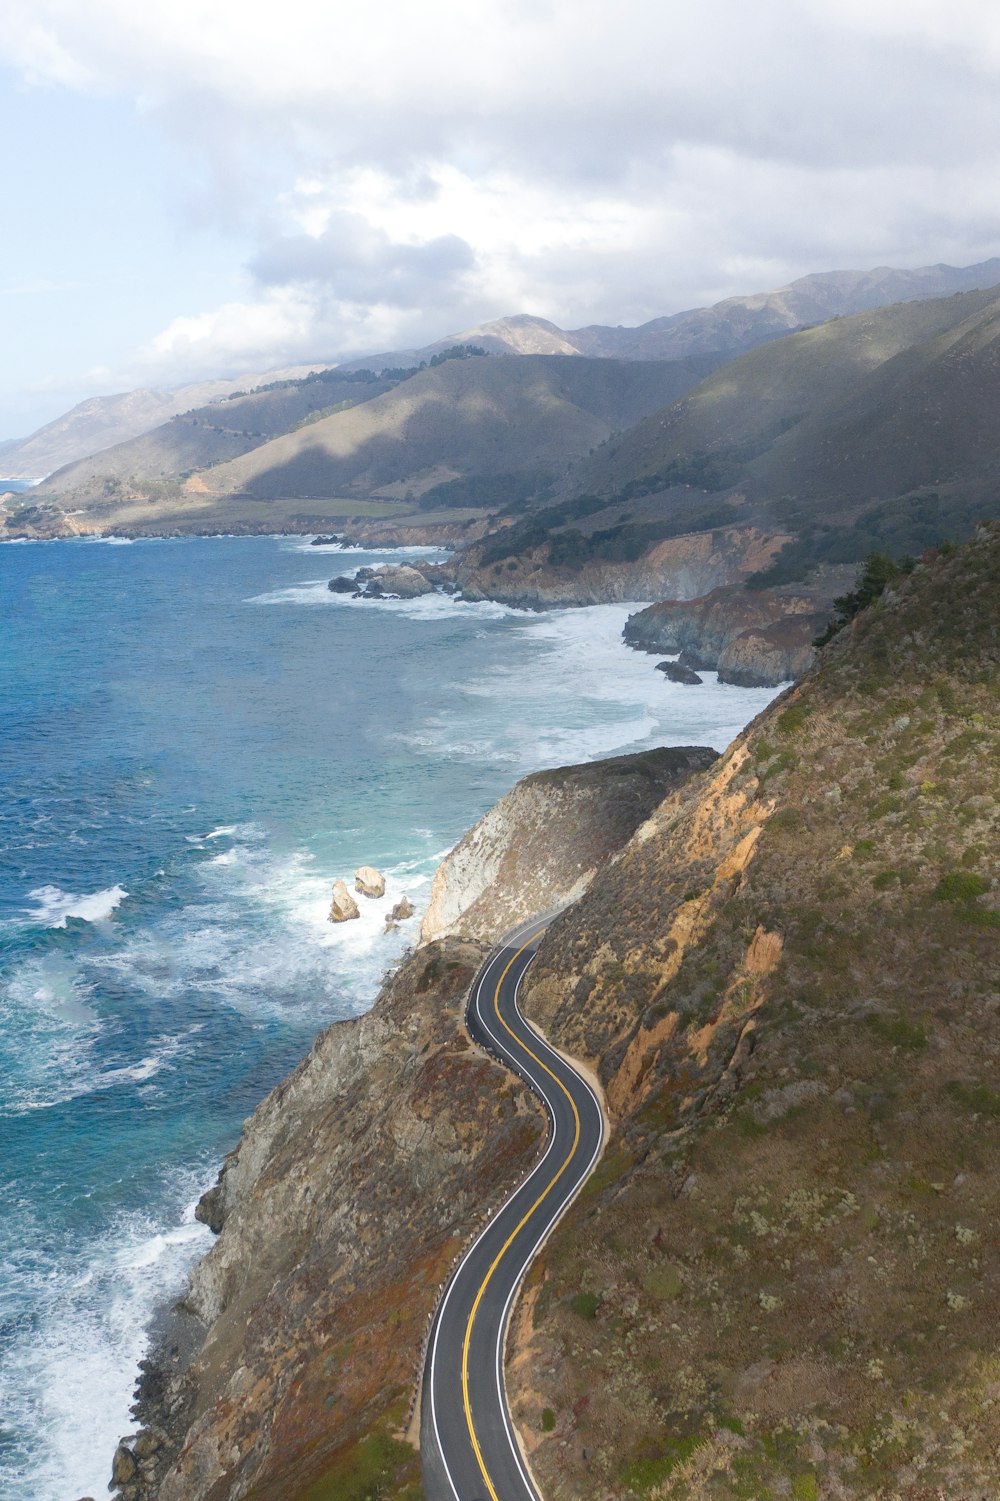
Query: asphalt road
{"type": "Point", "coordinates": [468, 1446]}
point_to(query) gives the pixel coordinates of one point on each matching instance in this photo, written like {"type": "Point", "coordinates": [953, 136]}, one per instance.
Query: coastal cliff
{"type": "Point", "coordinates": [295, 1354]}
{"type": "Point", "coordinates": [680, 567]}
{"type": "Point", "coordinates": [541, 845]}
{"type": "Point", "coordinates": [753, 638]}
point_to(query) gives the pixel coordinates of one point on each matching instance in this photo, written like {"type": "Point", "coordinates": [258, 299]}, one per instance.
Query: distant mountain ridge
{"type": "Point", "coordinates": [728, 327]}
{"type": "Point", "coordinates": [725, 329]}
{"type": "Point", "coordinates": [101, 421]}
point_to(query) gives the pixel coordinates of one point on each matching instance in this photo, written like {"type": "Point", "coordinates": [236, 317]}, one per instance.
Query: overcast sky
{"type": "Point", "coordinates": [198, 187]}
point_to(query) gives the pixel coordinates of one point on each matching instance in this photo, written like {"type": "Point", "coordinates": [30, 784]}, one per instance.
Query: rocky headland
{"type": "Point", "coordinates": [755, 638]}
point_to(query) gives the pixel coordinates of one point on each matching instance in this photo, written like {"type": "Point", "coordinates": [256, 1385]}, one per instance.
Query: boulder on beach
{"type": "Point", "coordinates": [343, 906]}
{"type": "Point", "coordinates": [368, 881]}
{"type": "Point", "coordinates": [676, 672]}
{"type": "Point", "coordinates": [342, 585]}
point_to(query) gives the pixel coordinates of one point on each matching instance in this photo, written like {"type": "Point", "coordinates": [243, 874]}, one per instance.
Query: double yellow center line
{"type": "Point", "coordinates": [520, 1226]}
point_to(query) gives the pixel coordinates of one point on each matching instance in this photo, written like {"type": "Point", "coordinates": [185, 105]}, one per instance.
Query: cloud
{"type": "Point", "coordinates": [360, 263]}
{"type": "Point", "coordinates": [391, 172]}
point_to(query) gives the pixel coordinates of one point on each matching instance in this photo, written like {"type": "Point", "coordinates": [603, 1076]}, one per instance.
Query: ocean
{"type": "Point", "coordinates": [196, 739]}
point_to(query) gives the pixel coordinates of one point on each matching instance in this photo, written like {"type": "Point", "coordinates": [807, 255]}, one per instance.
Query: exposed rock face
{"type": "Point", "coordinates": [541, 844]}
{"type": "Point", "coordinates": [683, 567]}
{"type": "Point", "coordinates": [343, 907]}
{"type": "Point", "coordinates": [676, 672]}
{"type": "Point", "coordinates": [756, 638]}
{"type": "Point", "coordinates": [369, 882]}
{"type": "Point", "coordinates": [342, 585]}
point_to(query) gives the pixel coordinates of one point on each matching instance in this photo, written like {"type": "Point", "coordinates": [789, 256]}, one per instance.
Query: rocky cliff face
{"type": "Point", "coordinates": [755, 638]}
{"type": "Point", "coordinates": [541, 845]}
{"type": "Point", "coordinates": [784, 1278]}
{"type": "Point", "coordinates": [358, 1180]}
{"type": "Point", "coordinates": [353, 1187]}
{"type": "Point", "coordinates": [677, 568]}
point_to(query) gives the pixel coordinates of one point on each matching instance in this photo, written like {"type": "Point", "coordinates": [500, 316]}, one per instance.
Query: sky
{"type": "Point", "coordinates": [195, 188]}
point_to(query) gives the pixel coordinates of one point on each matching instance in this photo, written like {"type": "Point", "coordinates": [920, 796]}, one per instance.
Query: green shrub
{"type": "Point", "coordinates": [548, 1420]}
{"type": "Point", "coordinates": [792, 720]}
{"type": "Point", "coordinates": [898, 1031]}
{"type": "Point", "coordinates": [585, 1304]}
{"type": "Point", "coordinates": [805, 1487]}
{"type": "Point", "coordinates": [960, 886]}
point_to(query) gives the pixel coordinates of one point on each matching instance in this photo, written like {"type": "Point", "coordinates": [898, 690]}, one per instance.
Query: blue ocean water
{"type": "Point", "coordinates": [196, 739]}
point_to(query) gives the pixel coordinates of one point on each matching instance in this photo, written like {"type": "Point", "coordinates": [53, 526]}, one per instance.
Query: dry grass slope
{"type": "Point", "coordinates": [784, 1280]}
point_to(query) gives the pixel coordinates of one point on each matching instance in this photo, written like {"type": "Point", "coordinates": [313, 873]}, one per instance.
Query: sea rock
{"type": "Point", "coordinates": [343, 906]}
{"type": "Point", "coordinates": [342, 585]}
{"type": "Point", "coordinates": [676, 672]}
{"type": "Point", "coordinates": [369, 882]}
{"type": "Point", "coordinates": [123, 1466]}
{"type": "Point", "coordinates": [400, 912]}
{"type": "Point", "coordinates": [324, 541]}
{"type": "Point", "coordinates": [400, 579]}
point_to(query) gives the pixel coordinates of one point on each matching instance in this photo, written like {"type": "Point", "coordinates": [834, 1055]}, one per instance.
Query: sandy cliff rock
{"type": "Point", "coordinates": [541, 845]}
{"type": "Point", "coordinates": [343, 907]}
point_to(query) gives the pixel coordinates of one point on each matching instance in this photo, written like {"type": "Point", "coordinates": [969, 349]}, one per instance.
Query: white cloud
{"type": "Point", "coordinates": [404, 169]}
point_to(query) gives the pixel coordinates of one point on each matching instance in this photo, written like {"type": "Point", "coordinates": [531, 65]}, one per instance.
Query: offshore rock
{"type": "Point", "coordinates": [342, 585]}
{"type": "Point", "coordinates": [541, 845]}
{"type": "Point", "coordinates": [401, 580]}
{"type": "Point", "coordinates": [400, 912]}
{"type": "Point", "coordinates": [343, 906]}
{"type": "Point", "coordinates": [676, 672]}
{"type": "Point", "coordinates": [369, 881]}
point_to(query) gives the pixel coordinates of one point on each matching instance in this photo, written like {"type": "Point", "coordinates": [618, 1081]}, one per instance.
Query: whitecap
{"type": "Point", "coordinates": [53, 905]}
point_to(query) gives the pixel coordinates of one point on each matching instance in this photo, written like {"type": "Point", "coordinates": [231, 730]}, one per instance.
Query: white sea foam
{"type": "Point", "coordinates": [314, 592]}
{"type": "Point", "coordinates": [259, 938]}
{"type": "Point", "coordinates": [70, 1371]}
{"type": "Point", "coordinates": [324, 550]}
{"type": "Point", "coordinates": [53, 905]}
{"type": "Point", "coordinates": [582, 694]}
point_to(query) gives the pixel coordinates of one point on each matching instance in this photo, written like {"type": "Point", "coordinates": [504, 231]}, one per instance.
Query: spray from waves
{"type": "Point", "coordinates": [383, 550]}
{"type": "Point", "coordinates": [69, 1367]}
{"type": "Point", "coordinates": [53, 905]}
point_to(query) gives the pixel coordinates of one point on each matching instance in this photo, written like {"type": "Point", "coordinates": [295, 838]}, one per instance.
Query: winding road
{"type": "Point", "coordinates": [468, 1445]}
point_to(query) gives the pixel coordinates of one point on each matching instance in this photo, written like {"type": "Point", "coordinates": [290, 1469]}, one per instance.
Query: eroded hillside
{"type": "Point", "coordinates": [784, 1279]}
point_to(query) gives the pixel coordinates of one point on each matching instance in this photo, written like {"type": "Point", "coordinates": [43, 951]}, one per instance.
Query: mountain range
{"type": "Point", "coordinates": [726, 328]}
